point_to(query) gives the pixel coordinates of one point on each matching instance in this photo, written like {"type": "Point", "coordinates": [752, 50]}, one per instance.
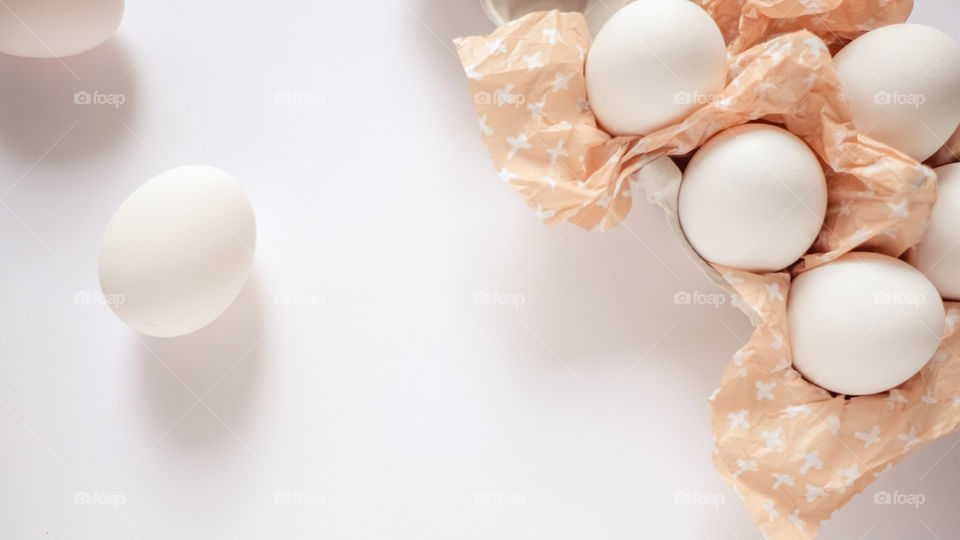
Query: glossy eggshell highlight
{"type": "Point", "coordinates": [863, 324]}
{"type": "Point", "coordinates": [178, 250]}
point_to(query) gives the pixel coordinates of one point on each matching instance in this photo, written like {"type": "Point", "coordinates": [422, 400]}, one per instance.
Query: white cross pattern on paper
{"type": "Point", "coordinates": [762, 87]}
{"type": "Point", "coordinates": [782, 480]}
{"type": "Point", "coordinates": [536, 108]}
{"type": "Point", "coordinates": [771, 511]}
{"type": "Point", "coordinates": [898, 210]}
{"type": "Point", "coordinates": [869, 438]}
{"type": "Point", "coordinates": [773, 439]}
{"type": "Point", "coordinates": [553, 34]}
{"type": "Point", "coordinates": [909, 439]}
{"type": "Point", "coordinates": [777, 342]}
{"type": "Point", "coordinates": [496, 46]}
{"type": "Point", "coordinates": [885, 470]}
{"type": "Point", "coordinates": [765, 391]}
{"type": "Point", "coordinates": [555, 153]}
{"type": "Point", "coordinates": [953, 317]}
{"type": "Point", "coordinates": [471, 74]}
{"type": "Point", "coordinates": [813, 492]}
{"type": "Point", "coordinates": [504, 95]}
{"type": "Point", "coordinates": [533, 61]}
{"type": "Point", "coordinates": [744, 466]}
{"type": "Point", "coordinates": [516, 143]}
{"type": "Point", "coordinates": [795, 519]}
{"type": "Point", "coordinates": [834, 424]}
{"type": "Point", "coordinates": [550, 180]}
{"type": "Point", "coordinates": [851, 474]}
{"type": "Point", "coordinates": [795, 410]}
{"type": "Point", "coordinates": [773, 291]}
{"type": "Point", "coordinates": [560, 81]}
{"type": "Point", "coordinates": [506, 176]}
{"type": "Point", "coordinates": [776, 52]}
{"type": "Point", "coordinates": [870, 170]}
{"type": "Point", "coordinates": [733, 280]}
{"type": "Point", "coordinates": [811, 460]}
{"type": "Point", "coordinates": [895, 397]}
{"type": "Point", "coordinates": [600, 227]}
{"type": "Point", "coordinates": [782, 365]}
{"type": "Point", "coordinates": [740, 355]}
{"type": "Point", "coordinates": [604, 200]}
{"type": "Point", "coordinates": [739, 419]}
{"type": "Point", "coordinates": [861, 236]}
{"type": "Point", "coordinates": [816, 45]}
{"type": "Point", "coordinates": [484, 128]}
{"type": "Point", "coordinates": [543, 214]}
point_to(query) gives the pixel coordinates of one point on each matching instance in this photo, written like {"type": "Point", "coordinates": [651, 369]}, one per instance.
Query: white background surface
{"type": "Point", "coordinates": [399, 404]}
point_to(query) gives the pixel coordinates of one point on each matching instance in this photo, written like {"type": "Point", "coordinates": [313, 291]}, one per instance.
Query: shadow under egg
{"type": "Point", "coordinates": [62, 109]}
{"type": "Point", "coordinates": [219, 363]}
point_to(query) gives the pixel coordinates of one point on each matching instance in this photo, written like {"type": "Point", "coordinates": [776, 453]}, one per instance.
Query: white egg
{"type": "Point", "coordinates": [753, 197]}
{"type": "Point", "coordinates": [863, 324]}
{"type": "Point", "coordinates": [938, 254]}
{"type": "Point", "coordinates": [54, 28]}
{"type": "Point", "coordinates": [178, 250]}
{"type": "Point", "coordinates": [652, 64]}
{"type": "Point", "coordinates": [903, 85]}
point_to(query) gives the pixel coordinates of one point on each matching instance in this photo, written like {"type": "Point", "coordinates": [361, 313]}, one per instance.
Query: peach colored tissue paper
{"type": "Point", "coordinates": [793, 452]}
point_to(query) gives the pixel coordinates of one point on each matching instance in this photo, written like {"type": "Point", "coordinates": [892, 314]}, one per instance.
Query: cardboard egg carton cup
{"type": "Point", "coordinates": [527, 82]}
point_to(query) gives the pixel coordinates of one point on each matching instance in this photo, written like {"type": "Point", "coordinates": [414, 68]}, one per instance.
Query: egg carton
{"type": "Point", "coordinates": [747, 385]}
{"type": "Point", "coordinates": [595, 11]}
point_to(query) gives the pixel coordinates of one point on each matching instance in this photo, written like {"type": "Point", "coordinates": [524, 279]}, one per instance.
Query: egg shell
{"type": "Point", "coordinates": [753, 197]}
{"type": "Point", "coordinates": [903, 85]}
{"type": "Point", "coordinates": [938, 254]}
{"type": "Point", "coordinates": [652, 64]}
{"type": "Point", "coordinates": [863, 324]}
{"type": "Point", "coordinates": [55, 28]}
{"type": "Point", "coordinates": [177, 252]}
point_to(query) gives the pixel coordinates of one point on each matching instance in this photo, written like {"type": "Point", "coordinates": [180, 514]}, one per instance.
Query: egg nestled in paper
{"type": "Point", "coordinates": [178, 250]}
{"type": "Point", "coordinates": [652, 64]}
{"type": "Point", "coordinates": [938, 254]}
{"type": "Point", "coordinates": [54, 28]}
{"type": "Point", "coordinates": [903, 85]}
{"type": "Point", "coordinates": [753, 197]}
{"type": "Point", "coordinates": [863, 324]}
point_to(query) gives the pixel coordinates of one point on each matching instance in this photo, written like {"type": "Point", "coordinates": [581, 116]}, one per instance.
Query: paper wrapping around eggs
{"type": "Point", "coordinates": [793, 452]}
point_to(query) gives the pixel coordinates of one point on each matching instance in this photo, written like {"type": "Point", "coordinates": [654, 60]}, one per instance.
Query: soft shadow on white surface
{"type": "Point", "coordinates": [48, 108]}
{"type": "Point", "coordinates": [220, 363]}
{"type": "Point", "coordinates": [571, 290]}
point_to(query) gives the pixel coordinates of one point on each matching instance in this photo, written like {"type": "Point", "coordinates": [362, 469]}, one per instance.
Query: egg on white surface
{"type": "Point", "coordinates": [903, 85]}
{"type": "Point", "coordinates": [652, 64]}
{"type": "Point", "coordinates": [863, 324]}
{"type": "Point", "coordinates": [178, 250]}
{"type": "Point", "coordinates": [54, 28]}
{"type": "Point", "coordinates": [938, 254]}
{"type": "Point", "coordinates": [753, 197]}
